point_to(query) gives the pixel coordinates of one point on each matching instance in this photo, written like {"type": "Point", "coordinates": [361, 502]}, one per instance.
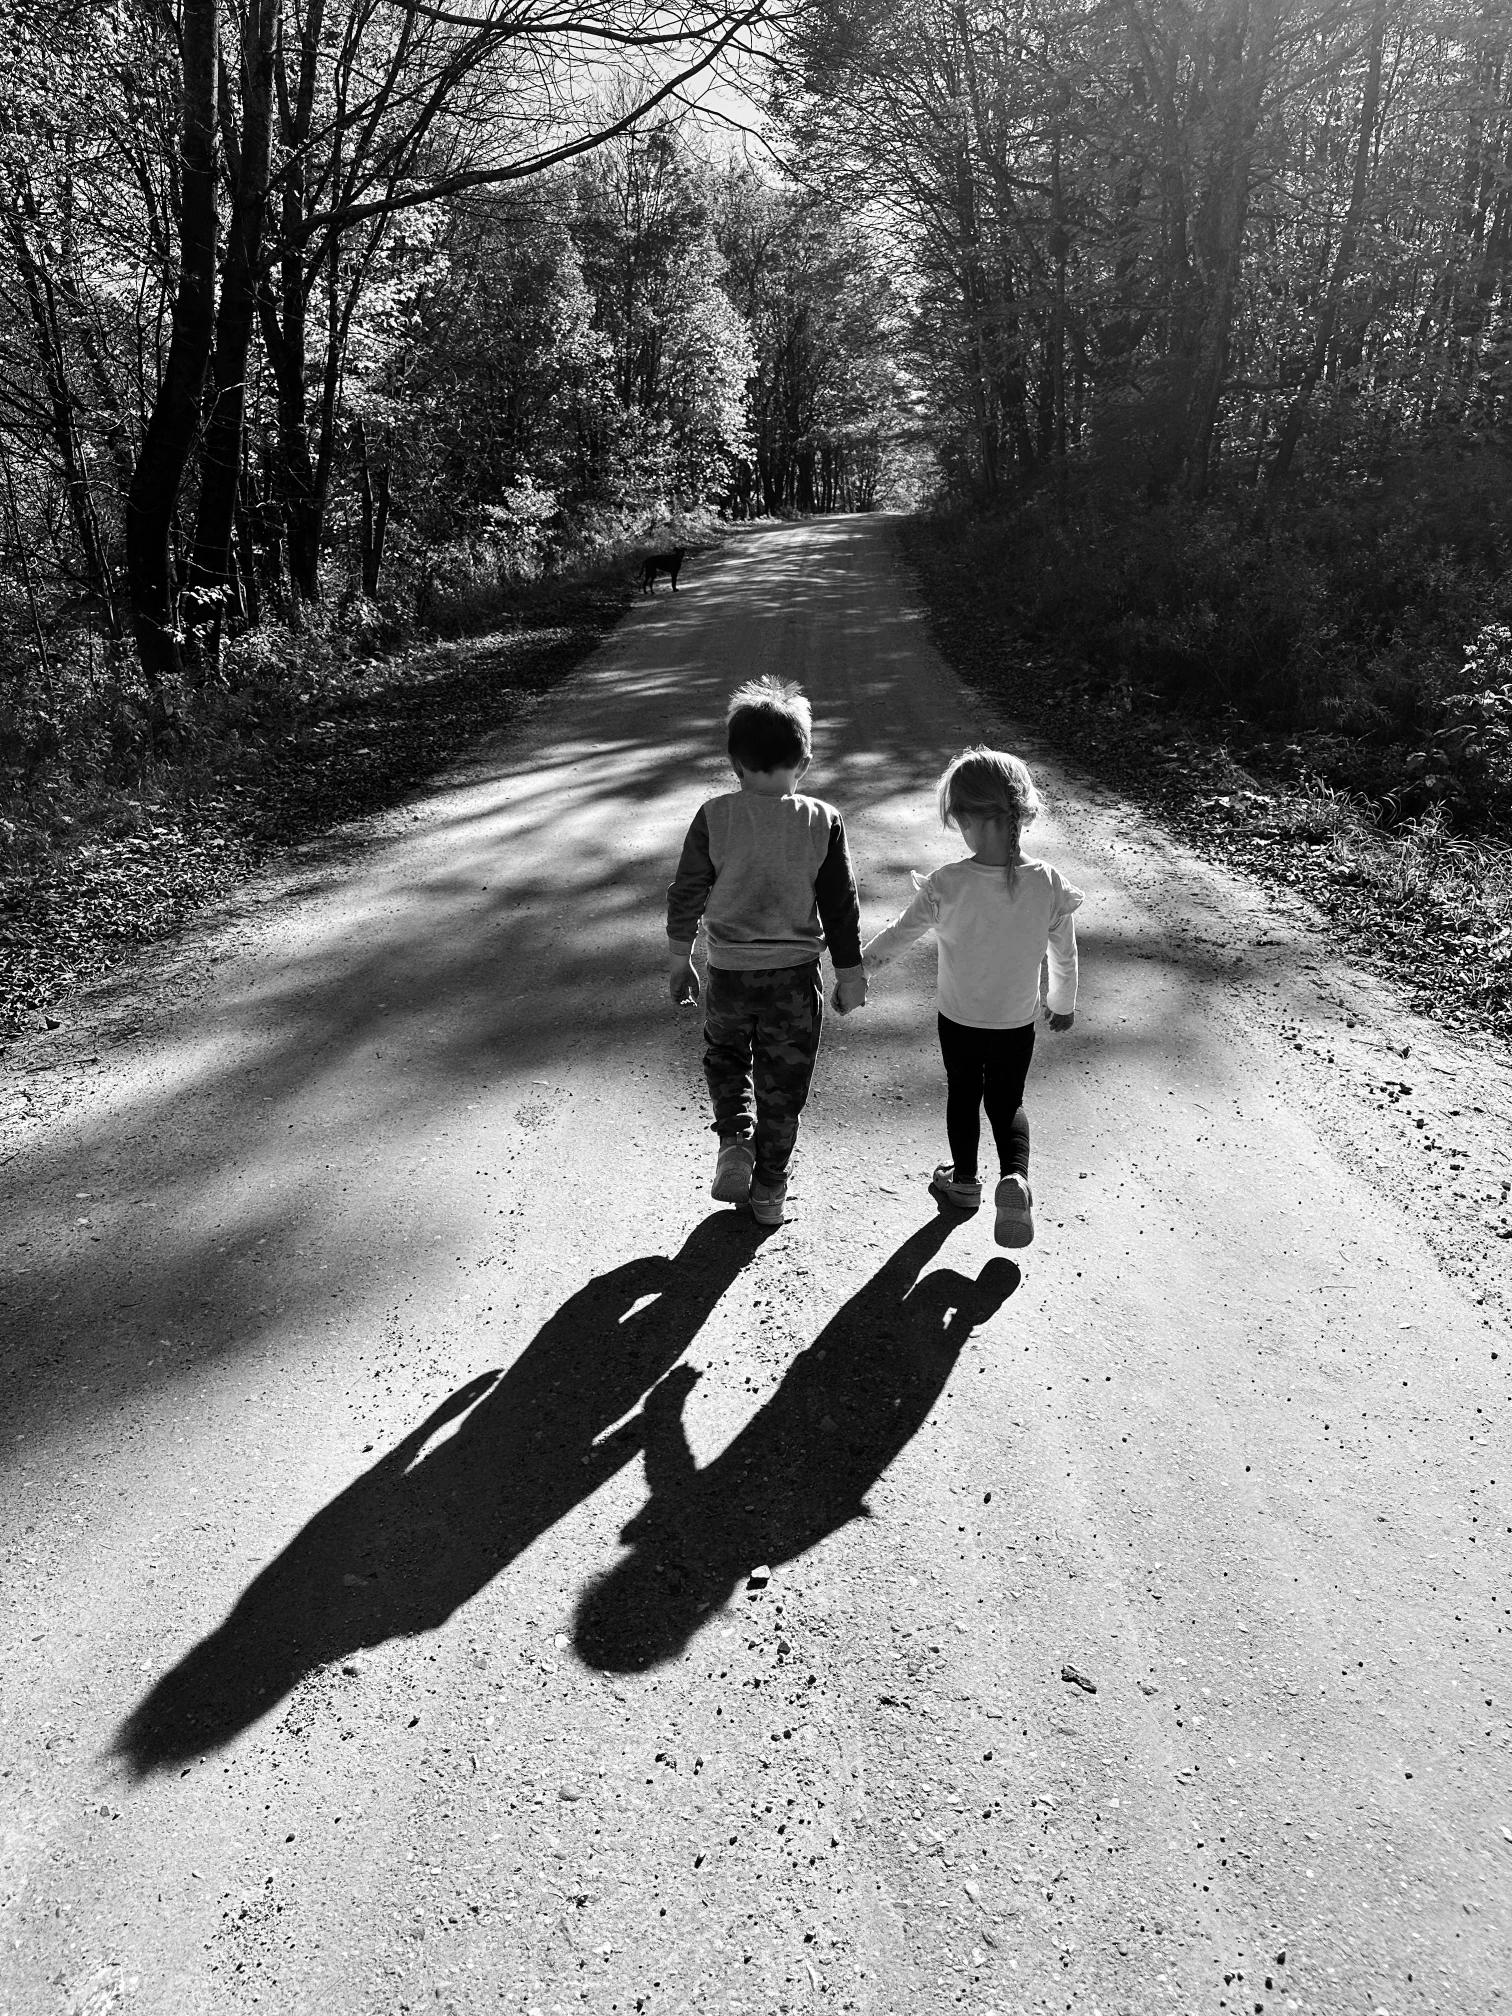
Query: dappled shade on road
{"type": "Point", "coordinates": [800, 1469]}
{"type": "Point", "coordinates": [442, 1513]}
{"type": "Point", "coordinates": [431, 1524]}
{"type": "Point", "coordinates": [515, 930]}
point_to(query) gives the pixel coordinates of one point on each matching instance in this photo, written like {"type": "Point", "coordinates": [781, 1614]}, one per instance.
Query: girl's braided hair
{"type": "Point", "coordinates": [985, 783]}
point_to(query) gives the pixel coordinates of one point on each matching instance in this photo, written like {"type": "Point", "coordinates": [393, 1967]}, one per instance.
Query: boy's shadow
{"type": "Point", "coordinates": [426, 1528]}
{"type": "Point", "coordinates": [799, 1470]}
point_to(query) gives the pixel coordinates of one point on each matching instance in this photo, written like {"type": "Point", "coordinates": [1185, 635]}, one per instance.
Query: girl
{"type": "Point", "coordinates": [995, 917]}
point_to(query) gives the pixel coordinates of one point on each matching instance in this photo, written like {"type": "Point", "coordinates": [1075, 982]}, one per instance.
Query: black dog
{"type": "Point", "coordinates": [661, 563]}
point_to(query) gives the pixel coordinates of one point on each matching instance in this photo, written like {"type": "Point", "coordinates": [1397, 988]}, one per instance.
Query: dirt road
{"type": "Point", "coordinates": [390, 1425]}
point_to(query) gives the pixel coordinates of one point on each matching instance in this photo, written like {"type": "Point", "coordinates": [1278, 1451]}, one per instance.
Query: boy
{"type": "Point", "coordinates": [770, 874]}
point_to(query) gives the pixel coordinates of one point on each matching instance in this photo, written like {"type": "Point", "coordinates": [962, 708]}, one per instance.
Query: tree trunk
{"type": "Point", "coordinates": [284, 320]}
{"type": "Point", "coordinates": [221, 458]}
{"type": "Point", "coordinates": [1238, 94]}
{"type": "Point", "coordinates": [1053, 442]}
{"type": "Point", "coordinates": [1291, 428]}
{"type": "Point", "coordinates": [171, 430]}
{"type": "Point", "coordinates": [375, 511]}
{"type": "Point", "coordinates": [42, 305]}
{"type": "Point", "coordinates": [976, 299]}
{"type": "Point", "coordinates": [19, 535]}
{"type": "Point", "coordinates": [250, 609]}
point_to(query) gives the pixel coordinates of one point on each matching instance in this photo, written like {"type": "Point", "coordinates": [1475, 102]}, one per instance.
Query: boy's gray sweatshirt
{"type": "Point", "coordinates": [771, 879]}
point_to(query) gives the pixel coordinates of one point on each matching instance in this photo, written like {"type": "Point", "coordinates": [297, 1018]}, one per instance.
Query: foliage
{"type": "Point", "coordinates": [1411, 891]}
{"type": "Point", "coordinates": [220, 230]}
{"type": "Point", "coordinates": [1175, 245]}
{"type": "Point", "coordinates": [1467, 761]}
{"type": "Point", "coordinates": [828, 393]}
{"type": "Point", "coordinates": [306, 730]}
{"type": "Point", "coordinates": [1338, 624]}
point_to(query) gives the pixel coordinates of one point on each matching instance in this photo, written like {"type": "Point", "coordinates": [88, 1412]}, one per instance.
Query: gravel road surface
{"type": "Point", "coordinates": [390, 1427]}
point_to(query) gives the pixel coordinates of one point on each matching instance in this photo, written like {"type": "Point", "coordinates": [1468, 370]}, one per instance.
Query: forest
{"type": "Point", "coordinates": [329, 325]}
{"type": "Point", "coordinates": [1214, 333]}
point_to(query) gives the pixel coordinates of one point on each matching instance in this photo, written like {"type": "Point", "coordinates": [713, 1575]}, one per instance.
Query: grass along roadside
{"type": "Point", "coordinates": [141, 864]}
{"type": "Point", "coordinates": [1427, 907]}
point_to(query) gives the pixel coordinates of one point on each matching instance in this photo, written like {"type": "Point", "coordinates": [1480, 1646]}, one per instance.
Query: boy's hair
{"type": "Point", "coordinates": [769, 725]}
{"type": "Point", "coordinates": [985, 783]}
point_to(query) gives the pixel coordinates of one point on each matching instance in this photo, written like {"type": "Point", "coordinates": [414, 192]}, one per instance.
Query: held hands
{"type": "Point", "coordinates": [682, 983]}
{"type": "Point", "coordinates": [669, 1393]}
{"type": "Point", "coordinates": [1059, 1023]}
{"type": "Point", "coordinates": [850, 990]}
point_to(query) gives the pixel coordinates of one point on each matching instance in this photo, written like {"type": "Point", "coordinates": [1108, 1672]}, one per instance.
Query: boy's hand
{"type": "Point", "coordinates": [850, 990]}
{"type": "Point", "coordinates": [682, 983]}
{"type": "Point", "coordinates": [1060, 1023]}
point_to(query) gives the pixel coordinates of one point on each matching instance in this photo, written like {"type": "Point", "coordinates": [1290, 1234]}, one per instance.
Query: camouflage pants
{"type": "Point", "coordinates": [761, 1037]}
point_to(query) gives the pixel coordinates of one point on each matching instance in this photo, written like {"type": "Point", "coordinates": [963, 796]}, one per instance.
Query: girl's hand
{"type": "Point", "coordinates": [1060, 1023]}
{"type": "Point", "coordinates": [682, 983]}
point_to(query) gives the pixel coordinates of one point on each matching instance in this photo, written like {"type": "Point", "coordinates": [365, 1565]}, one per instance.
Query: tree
{"type": "Point", "coordinates": [1176, 241]}
{"type": "Point", "coordinates": [79, 218]}
{"type": "Point", "coordinates": [678, 354]}
{"type": "Point", "coordinates": [152, 503]}
{"type": "Point", "coordinates": [826, 391]}
{"type": "Point", "coordinates": [379, 110]}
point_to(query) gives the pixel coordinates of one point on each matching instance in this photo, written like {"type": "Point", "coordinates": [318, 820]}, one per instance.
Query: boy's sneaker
{"type": "Point", "coordinates": [960, 1196]}
{"type": "Point", "coordinates": [767, 1200]}
{"type": "Point", "coordinates": [1015, 1217]}
{"type": "Point", "coordinates": [732, 1172]}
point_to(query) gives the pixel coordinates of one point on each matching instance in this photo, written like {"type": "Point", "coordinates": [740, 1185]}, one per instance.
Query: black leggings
{"type": "Point", "coordinates": [986, 1067]}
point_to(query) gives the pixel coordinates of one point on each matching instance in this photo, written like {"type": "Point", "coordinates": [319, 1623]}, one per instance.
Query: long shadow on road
{"type": "Point", "coordinates": [519, 934]}
{"type": "Point", "coordinates": [440, 1515]}
{"type": "Point", "coordinates": [435, 1520]}
{"type": "Point", "coordinates": [799, 1470]}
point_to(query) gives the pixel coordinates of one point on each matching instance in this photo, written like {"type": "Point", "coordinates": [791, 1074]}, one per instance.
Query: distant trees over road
{"type": "Point", "coordinates": [345, 312]}
{"type": "Point", "coordinates": [328, 297]}
{"type": "Point", "coordinates": [1184, 238]}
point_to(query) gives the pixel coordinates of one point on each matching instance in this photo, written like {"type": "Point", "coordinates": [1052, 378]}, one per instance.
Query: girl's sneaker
{"type": "Point", "coordinates": [1015, 1217]}
{"type": "Point", "coordinates": [732, 1172]}
{"type": "Point", "coordinates": [960, 1196]}
{"type": "Point", "coordinates": [766, 1201]}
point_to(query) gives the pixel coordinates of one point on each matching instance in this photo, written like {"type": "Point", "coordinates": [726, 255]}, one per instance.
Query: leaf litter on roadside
{"type": "Point", "coordinates": [73, 915]}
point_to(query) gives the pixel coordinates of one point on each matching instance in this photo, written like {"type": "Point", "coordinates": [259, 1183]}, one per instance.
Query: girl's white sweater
{"type": "Point", "coordinates": [992, 940]}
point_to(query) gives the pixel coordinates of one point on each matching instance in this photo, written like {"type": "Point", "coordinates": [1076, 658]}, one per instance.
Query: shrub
{"type": "Point", "coordinates": [1466, 764]}
{"type": "Point", "coordinates": [1337, 617]}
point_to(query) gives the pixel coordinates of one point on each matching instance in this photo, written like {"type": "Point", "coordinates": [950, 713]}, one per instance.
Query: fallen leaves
{"type": "Point", "coordinates": [75, 911]}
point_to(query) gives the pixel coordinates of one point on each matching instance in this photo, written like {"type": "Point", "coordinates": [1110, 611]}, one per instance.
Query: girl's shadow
{"type": "Point", "coordinates": [799, 1470]}
{"type": "Point", "coordinates": [434, 1520]}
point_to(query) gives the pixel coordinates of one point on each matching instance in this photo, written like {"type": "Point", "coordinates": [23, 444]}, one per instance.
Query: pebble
{"type": "Point", "coordinates": [759, 1577]}
{"type": "Point", "coordinates": [1078, 1679]}
{"type": "Point", "coordinates": [973, 1891]}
